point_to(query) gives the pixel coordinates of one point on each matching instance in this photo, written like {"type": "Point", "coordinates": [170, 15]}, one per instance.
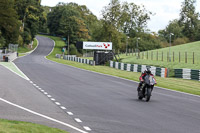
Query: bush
{"type": "Point", "coordinates": [73, 50]}
{"type": "Point", "coordinates": [20, 40]}
{"type": "Point", "coordinates": [2, 41]}
{"type": "Point", "coordinates": [179, 41]}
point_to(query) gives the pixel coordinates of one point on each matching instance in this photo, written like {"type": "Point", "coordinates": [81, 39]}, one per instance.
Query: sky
{"type": "Point", "coordinates": [164, 10]}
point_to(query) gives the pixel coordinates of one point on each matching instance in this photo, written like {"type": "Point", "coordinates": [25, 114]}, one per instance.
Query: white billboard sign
{"type": "Point", "coordinates": [97, 45]}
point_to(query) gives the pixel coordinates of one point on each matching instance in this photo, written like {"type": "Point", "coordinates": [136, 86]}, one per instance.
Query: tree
{"type": "Point", "coordinates": [2, 40]}
{"type": "Point", "coordinates": [135, 18]}
{"type": "Point", "coordinates": [172, 27]}
{"type": "Point", "coordinates": [65, 20]}
{"type": "Point", "coordinates": [189, 19]}
{"type": "Point", "coordinates": [30, 13]}
{"type": "Point", "coordinates": [9, 24]}
{"type": "Point", "coordinates": [126, 18]}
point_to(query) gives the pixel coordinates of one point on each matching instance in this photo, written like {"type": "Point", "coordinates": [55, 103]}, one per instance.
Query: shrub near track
{"type": "Point", "coordinates": [188, 86]}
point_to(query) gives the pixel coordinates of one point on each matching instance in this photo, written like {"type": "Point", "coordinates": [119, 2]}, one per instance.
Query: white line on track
{"type": "Point", "coordinates": [53, 99]}
{"type": "Point", "coordinates": [70, 113]}
{"type": "Point", "coordinates": [49, 96]}
{"type": "Point", "coordinates": [87, 128]}
{"type": "Point", "coordinates": [24, 76]}
{"type": "Point", "coordinates": [77, 120]}
{"type": "Point", "coordinates": [44, 116]}
{"type": "Point", "coordinates": [57, 103]}
{"type": "Point", "coordinates": [62, 107]}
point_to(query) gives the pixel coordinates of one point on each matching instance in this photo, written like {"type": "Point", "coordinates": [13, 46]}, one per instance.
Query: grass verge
{"type": "Point", "coordinates": [7, 126]}
{"type": "Point", "coordinates": [188, 86]}
{"type": "Point", "coordinates": [24, 50]}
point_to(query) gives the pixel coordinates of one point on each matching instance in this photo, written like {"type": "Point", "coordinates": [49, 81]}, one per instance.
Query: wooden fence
{"type": "Point", "coordinates": [181, 57]}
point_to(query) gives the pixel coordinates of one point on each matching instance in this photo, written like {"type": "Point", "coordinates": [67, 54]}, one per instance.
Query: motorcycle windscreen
{"type": "Point", "coordinates": [149, 79]}
{"type": "Point", "coordinates": [152, 80]}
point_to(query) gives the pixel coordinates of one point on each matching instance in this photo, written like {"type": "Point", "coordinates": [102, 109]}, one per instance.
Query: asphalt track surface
{"type": "Point", "coordinates": [108, 104]}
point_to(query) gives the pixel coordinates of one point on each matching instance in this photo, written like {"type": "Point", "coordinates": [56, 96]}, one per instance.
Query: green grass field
{"type": "Point", "coordinates": [7, 126]}
{"type": "Point", "coordinates": [160, 57]}
{"type": "Point", "coordinates": [187, 86]}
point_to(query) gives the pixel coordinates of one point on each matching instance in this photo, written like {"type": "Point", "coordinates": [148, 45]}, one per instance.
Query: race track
{"type": "Point", "coordinates": [108, 104]}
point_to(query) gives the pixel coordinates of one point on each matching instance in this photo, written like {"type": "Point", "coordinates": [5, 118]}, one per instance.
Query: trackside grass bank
{"type": "Point", "coordinates": [182, 85]}
{"type": "Point", "coordinates": [7, 126]}
{"type": "Point", "coordinates": [182, 56]}
{"type": "Point", "coordinates": [25, 50]}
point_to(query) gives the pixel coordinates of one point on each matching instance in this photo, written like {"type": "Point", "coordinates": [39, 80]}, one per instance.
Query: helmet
{"type": "Point", "coordinates": [148, 70]}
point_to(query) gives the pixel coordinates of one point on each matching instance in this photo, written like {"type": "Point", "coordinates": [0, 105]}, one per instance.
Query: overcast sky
{"type": "Point", "coordinates": [165, 10]}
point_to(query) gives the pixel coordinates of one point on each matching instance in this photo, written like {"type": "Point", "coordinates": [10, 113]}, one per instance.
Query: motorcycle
{"type": "Point", "coordinates": [147, 87]}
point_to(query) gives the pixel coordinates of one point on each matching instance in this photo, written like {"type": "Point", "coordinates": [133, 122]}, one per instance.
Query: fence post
{"type": "Point", "coordinates": [142, 55]}
{"type": "Point", "coordinates": [139, 54]}
{"type": "Point", "coordinates": [179, 56]}
{"type": "Point", "coordinates": [157, 55]}
{"type": "Point", "coordinates": [185, 57]}
{"type": "Point", "coordinates": [162, 55]}
{"type": "Point", "coordinates": [173, 56]}
{"type": "Point", "coordinates": [167, 56]}
{"type": "Point", "coordinates": [193, 57]}
{"type": "Point", "coordinates": [147, 55]}
{"type": "Point", "coordinates": [151, 55]}
{"type": "Point", "coordinates": [132, 51]}
{"type": "Point", "coordinates": [135, 52]}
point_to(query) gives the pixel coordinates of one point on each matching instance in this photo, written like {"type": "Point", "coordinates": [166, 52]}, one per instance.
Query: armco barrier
{"type": "Point", "coordinates": [76, 59]}
{"type": "Point", "coordinates": [187, 74]}
{"type": "Point", "coordinates": [162, 72]}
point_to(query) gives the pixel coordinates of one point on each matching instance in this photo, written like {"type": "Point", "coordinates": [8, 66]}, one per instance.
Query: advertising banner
{"type": "Point", "coordinates": [97, 45]}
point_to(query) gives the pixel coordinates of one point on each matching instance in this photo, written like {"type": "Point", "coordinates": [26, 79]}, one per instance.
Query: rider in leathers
{"type": "Point", "coordinates": [147, 71]}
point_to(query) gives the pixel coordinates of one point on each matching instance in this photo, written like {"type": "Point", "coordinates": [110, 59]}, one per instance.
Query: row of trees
{"type": "Point", "coordinates": [122, 24]}
{"type": "Point", "coordinates": [20, 21]}
{"type": "Point", "coordinates": [186, 28]}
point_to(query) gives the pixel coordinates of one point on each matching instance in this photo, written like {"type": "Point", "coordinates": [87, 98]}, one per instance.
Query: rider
{"type": "Point", "coordinates": [147, 71]}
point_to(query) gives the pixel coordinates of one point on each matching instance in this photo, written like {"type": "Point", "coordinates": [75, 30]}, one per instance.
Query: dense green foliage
{"type": "Point", "coordinates": [70, 21]}
{"type": "Point", "coordinates": [120, 20]}
{"type": "Point", "coordinates": [9, 23]}
{"type": "Point", "coordinates": [20, 20]}
{"type": "Point", "coordinates": [30, 15]}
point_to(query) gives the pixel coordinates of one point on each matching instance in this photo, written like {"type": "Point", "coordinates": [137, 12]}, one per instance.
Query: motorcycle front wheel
{"type": "Point", "coordinates": [148, 94]}
{"type": "Point", "coordinates": [140, 95]}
